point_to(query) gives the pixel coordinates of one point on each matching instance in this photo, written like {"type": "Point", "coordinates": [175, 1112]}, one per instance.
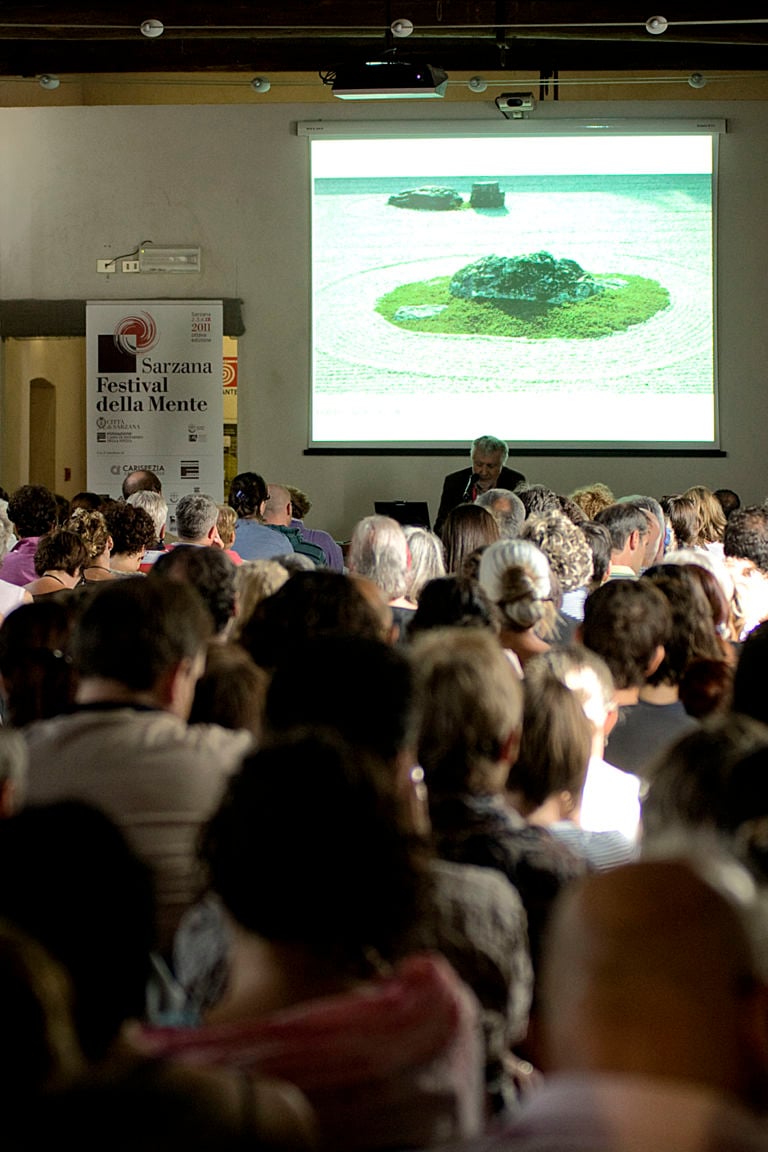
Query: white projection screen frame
{"type": "Point", "coordinates": [615, 352]}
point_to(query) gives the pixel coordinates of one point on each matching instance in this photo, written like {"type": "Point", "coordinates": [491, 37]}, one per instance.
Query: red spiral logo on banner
{"type": "Point", "coordinates": [230, 372]}
{"type": "Point", "coordinates": [136, 333]}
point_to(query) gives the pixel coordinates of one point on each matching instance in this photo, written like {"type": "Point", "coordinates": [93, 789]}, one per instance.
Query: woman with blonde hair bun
{"type": "Point", "coordinates": [525, 599]}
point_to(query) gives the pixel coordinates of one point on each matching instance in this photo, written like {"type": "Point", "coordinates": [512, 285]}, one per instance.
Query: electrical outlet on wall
{"type": "Point", "coordinates": [130, 266]}
{"type": "Point", "coordinates": [106, 266]}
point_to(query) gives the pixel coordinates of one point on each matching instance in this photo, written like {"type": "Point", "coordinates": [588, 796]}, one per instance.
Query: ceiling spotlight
{"type": "Point", "coordinates": [401, 28]}
{"type": "Point", "coordinates": [151, 28]}
{"type": "Point", "coordinates": [477, 84]}
{"type": "Point", "coordinates": [656, 25]}
{"type": "Point", "coordinates": [50, 83]}
{"type": "Point", "coordinates": [261, 84]}
{"type": "Point", "coordinates": [696, 80]}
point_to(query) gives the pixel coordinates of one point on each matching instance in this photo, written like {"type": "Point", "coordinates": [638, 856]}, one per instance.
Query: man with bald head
{"type": "Point", "coordinates": [654, 1020]}
{"type": "Point", "coordinates": [278, 514]}
{"type": "Point", "coordinates": [140, 480]}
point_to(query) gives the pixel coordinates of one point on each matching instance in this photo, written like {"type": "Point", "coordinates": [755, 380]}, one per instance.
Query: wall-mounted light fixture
{"type": "Point", "coordinates": [158, 258]}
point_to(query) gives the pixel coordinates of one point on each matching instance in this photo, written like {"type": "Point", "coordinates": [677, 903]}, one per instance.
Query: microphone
{"type": "Point", "coordinates": [468, 490]}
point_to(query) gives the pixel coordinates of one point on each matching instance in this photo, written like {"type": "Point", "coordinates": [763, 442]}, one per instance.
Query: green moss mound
{"type": "Point", "coordinates": [628, 300]}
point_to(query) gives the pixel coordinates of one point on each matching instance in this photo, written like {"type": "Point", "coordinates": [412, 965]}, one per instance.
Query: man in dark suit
{"type": "Point", "coordinates": [488, 456]}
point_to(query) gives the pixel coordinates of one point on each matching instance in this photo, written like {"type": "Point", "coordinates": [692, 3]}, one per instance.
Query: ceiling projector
{"type": "Point", "coordinates": [389, 80]}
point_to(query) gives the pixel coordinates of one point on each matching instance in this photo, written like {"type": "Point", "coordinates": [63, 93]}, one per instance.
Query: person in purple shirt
{"type": "Point", "coordinates": [301, 505]}
{"type": "Point", "coordinates": [32, 511]}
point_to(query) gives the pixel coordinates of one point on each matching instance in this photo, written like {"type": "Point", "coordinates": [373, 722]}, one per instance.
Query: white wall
{"type": "Point", "coordinates": [81, 183]}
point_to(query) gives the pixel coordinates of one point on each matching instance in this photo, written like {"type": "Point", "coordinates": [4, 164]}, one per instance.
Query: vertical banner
{"type": "Point", "coordinates": [154, 395]}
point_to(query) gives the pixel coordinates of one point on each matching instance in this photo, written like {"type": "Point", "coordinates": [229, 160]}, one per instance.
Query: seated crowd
{"type": "Point", "coordinates": [452, 839]}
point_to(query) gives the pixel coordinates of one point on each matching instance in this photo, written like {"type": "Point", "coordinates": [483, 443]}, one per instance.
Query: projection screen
{"type": "Point", "coordinates": [550, 282]}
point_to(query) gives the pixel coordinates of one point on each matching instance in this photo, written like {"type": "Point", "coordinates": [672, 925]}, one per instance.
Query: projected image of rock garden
{"type": "Point", "coordinates": [564, 295]}
{"type": "Point", "coordinates": [537, 296]}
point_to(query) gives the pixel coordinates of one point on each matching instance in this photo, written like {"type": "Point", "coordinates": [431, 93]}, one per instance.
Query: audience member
{"type": "Point", "coordinates": [610, 801]}
{"type": "Point", "coordinates": [538, 499]}
{"type": "Point", "coordinates": [529, 613]}
{"type": "Point", "coordinates": [11, 595]}
{"type": "Point", "coordinates": [656, 540]}
{"type": "Point", "coordinates": [728, 499]}
{"type": "Point", "coordinates": [209, 572]}
{"type": "Point", "coordinates": [388, 1056]}
{"type": "Point", "coordinates": [627, 624]}
{"type": "Point", "coordinates": [310, 604]}
{"type": "Point", "coordinates": [631, 531]}
{"type": "Point", "coordinates": [231, 691]}
{"type": "Point", "coordinates": [301, 505]}
{"type": "Point", "coordinates": [506, 508]}
{"type": "Point", "coordinates": [379, 550]}
{"type": "Point", "coordinates": [278, 516]}
{"type": "Point", "coordinates": [453, 602]}
{"type": "Point", "coordinates": [599, 540]}
{"type": "Point", "coordinates": [592, 498]}
{"type": "Point", "coordinates": [470, 732]}
{"type": "Point", "coordinates": [156, 507]}
{"type": "Point", "coordinates": [570, 558]}
{"type": "Point", "coordinates": [140, 480]}
{"type": "Point", "coordinates": [653, 1009]}
{"type": "Point", "coordinates": [745, 545]}
{"type": "Point", "coordinates": [196, 521]}
{"type": "Point", "coordinates": [32, 512]}
{"type": "Point", "coordinates": [711, 520]}
{"type": "Point", "coordinates": [683, 517]}
{"type": "Point", "coordinates": [690, 784]}
{"type": "Point", "coordinates": [226, 524]}
{"type": "Point", "coordinates": [138, 648]}
{"type": "Point", "coordinates": [546, 782]}
{"type": "Point", "coordinates": [37, 679]}
{"type": "Point", "coordinates": [132, 533]}
{"type": "Point", "coordinates": [88, 501]}
{"type": "Point", "coordinates": [59, 561]}
{"type": "Point", "coordinates": [254, 540]}
{"type": "Point", "coordinates": [92, 529]}
{"type": "Point", "coordinates": [465, 529]}
{"type": "Point", "coordinates": [254, 581]}
{"type": "Point", "coordinates": [427, 560]}
{"type": "Point", "coordinates": [749, 694]}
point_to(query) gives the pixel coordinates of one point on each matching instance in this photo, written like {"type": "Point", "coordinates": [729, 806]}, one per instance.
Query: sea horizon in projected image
{"type": "Point", "coordinates": [648, 380]}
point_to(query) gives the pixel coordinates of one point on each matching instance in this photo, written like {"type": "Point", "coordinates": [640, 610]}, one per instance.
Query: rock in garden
{"type": "Point", "coordinates": [418, 312]}
{"type": "Point", "coordinates": [487, 194]}
{"type": "Point", "coordinates": [536, 279]}
{"type": "Point", "coordinates": [430, 198]}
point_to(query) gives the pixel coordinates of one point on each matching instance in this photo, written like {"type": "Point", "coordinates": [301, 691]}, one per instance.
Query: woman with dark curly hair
{"type": "Point", "coordinates": [59, 562]}
{"type": "Point", "coordinates": [132, 532]}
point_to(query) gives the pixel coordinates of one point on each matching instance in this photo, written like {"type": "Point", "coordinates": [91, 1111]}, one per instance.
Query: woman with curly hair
{"type": "Point", "coordinates": [132, 532]}
{"type": "Point", "coordinates": [59, 561]}
{"type": "Point", "coordinates": [92, 529]}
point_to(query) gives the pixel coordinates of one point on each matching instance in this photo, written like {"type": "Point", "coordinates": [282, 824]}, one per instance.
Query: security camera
{"type": "Point", "coordinates": [514, 104]}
